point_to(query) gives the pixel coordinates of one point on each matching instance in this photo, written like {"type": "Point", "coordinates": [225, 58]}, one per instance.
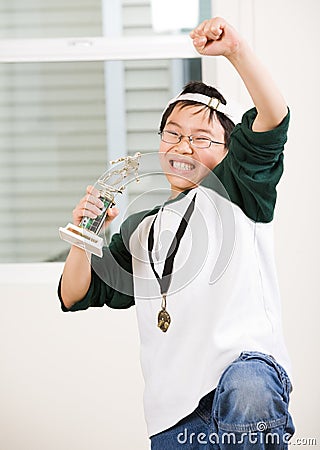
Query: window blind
{"type": "Point", "coordinates": [53, 122]}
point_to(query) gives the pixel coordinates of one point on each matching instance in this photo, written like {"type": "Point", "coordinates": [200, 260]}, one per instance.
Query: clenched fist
{"type": "Point", "coordinates": [216, 37]}
{"type": "Point", "coordinates": [91, 206]}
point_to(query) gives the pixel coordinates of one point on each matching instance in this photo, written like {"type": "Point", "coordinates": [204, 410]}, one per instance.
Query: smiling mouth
{"type": "Point", "coordinates": [182, 166]}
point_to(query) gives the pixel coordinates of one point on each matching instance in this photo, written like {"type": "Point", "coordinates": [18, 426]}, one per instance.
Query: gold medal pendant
{"type": "Point", "coordinates": [164, 318]}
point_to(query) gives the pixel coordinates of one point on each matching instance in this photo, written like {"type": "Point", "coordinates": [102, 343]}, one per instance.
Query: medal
{"type": "Point", "coordinates": [164, 281]}
{"type": "Point", "coordinates": [164, 318]}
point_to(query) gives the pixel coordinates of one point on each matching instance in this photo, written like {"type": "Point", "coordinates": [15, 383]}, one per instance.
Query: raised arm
{"type": "Point", "coordinates": [216, 37]}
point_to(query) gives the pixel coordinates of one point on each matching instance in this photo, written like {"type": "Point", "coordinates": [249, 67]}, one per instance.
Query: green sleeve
{"type": "Point", "coordinates": [111, 279]}
{"type": "Point", "coordinates": [111, 275]}
{"type": "Point", "coordinates": [253, 167]}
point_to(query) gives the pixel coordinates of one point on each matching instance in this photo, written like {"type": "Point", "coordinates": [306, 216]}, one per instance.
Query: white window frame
{"type": "Point", "coordinates": [123, 48]}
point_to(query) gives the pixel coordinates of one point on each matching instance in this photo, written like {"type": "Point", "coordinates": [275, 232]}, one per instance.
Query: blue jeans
{"type": "Point", "coordinates": [247, 410]}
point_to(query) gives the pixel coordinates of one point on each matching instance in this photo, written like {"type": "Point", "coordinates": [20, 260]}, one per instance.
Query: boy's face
{"type": "Point", "coordinates": [184, 165]}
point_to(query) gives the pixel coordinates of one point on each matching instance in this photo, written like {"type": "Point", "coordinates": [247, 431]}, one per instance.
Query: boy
{"type": "Point", "coordinates": [215, 366]}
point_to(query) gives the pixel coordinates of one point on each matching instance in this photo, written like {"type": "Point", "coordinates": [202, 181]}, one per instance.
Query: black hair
{"type": "Point", "coordinates": [197, 87]}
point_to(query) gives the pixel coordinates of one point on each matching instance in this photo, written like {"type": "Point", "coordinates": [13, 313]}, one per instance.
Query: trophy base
{"type": "Point", "coordinates": [82, 238]}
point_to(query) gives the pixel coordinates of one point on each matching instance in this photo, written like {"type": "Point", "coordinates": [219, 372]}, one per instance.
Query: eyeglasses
{"type": "Point", "coordinates": [198, 141]}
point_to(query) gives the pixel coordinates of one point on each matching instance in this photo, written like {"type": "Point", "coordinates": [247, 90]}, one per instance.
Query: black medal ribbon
{"type": "Point", "coordinates": [164, 281]}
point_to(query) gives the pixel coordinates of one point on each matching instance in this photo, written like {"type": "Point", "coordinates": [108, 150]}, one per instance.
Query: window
{"type": "Point", "coordinates": [62, 121]}
{"type": "Point", "coordinates": [50, 19]}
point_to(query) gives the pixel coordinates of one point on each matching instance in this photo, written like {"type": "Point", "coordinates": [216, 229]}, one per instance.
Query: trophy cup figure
{"type": "Point", "coordinates": [86, 234]}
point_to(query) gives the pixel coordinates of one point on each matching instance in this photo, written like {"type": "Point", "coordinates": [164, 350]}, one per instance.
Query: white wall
{"type": "Point", "coordinates": [67, 380]}
{"type": "Point", "coordinates": [286, 35]}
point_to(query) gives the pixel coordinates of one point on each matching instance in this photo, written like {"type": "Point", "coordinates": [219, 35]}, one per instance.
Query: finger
{"type": "Point", "coordinates": [87, 210]}
{"type": "Point", "coordinates": [213, 34]}
{"type": "Point", "coordinates": [198, 31]}
{"type": "Point", "coordinates": [79, 214]}
{"type": "Point", "coordinates": [212, 29]}
{"type": "Point", "coordinates": [112, 214]}
{"type": "Point", "coordinates": [89, 206]}
{"type": "Point", "coordinates": [200, 43]}
{"type": "Point", "coordinates": [93, 208]}
{"type": "Point", "coordinates": [92, 199]}
{"type": "Point", "coordinates": [93, 191]}
{"type": "Point", "coordinates": [89, 213]}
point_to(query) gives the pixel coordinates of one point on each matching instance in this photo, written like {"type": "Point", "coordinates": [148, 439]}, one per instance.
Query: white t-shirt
{"type": "Point", "coordinates": [223, 298]}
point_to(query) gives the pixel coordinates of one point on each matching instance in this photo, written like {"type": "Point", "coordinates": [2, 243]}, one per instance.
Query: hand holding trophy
{"type": "Point", "coordinates": [86, 234]}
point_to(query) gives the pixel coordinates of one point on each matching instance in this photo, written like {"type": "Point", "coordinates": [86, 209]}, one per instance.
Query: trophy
{"type": "Point", "coordinates": [86, 234]}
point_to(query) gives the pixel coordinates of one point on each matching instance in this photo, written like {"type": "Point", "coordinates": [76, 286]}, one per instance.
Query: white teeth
{"type": "Point", "coordinates": [182, 166]}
